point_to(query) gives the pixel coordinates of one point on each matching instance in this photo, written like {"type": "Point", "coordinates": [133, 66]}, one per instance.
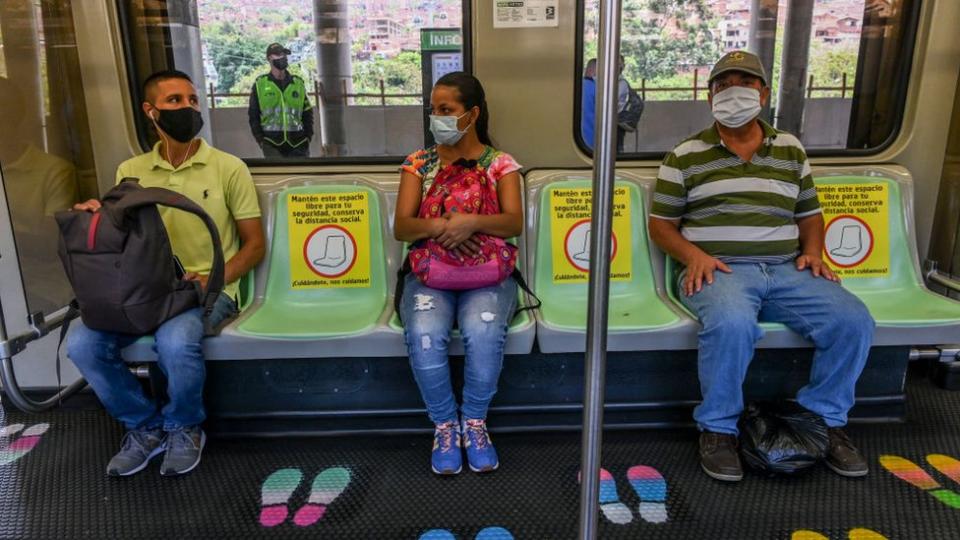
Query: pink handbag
{"type": "Point", "coordinates": [462, 187]}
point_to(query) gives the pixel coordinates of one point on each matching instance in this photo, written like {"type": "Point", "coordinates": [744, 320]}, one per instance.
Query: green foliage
{"type": "Point", "coordinates": [679, 37]}
{"type": "Point", "coordinates": [400, 75]}
{"type": "Point", "coordinates": [663, 41]}
{"type": "Point", "coordinates": [235, 55]}
{"type": "Point", "coordinates": [828, 64]}
{"type": "Point", "coordinates": [237, 49]}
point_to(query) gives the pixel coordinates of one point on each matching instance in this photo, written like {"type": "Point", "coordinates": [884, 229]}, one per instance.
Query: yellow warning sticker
{"type": "Point", "coordinates": [329, 239]}
{"type": "Point", "coordinates": [570, 211]}
{"type": "Point", "coordinates": [856, 242]}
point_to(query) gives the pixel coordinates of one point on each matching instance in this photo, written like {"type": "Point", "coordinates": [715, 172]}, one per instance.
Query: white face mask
{"type": "Point", "coordinates": [735, 106]}
{"type": "Point", "coordinates": [444, 129]}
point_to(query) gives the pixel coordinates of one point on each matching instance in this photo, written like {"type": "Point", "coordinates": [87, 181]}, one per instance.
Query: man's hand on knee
{"type": "Point", "coordinates": [816, 266]}
{"type": "Point", "coordinates": [699, 270]}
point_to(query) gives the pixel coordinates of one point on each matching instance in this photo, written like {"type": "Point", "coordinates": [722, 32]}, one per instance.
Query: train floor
{"type": "Point", "coordinates": [52, 485]}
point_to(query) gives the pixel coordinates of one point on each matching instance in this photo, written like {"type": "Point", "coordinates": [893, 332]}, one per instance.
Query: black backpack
{"type": "Point", "coordinates": [120, 264]}
{"type": "Point", "coordinates": [629, 117]}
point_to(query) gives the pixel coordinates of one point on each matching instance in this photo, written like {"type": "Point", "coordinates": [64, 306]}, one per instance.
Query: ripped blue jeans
{"type": "Point", "coordinates": [482, 316]}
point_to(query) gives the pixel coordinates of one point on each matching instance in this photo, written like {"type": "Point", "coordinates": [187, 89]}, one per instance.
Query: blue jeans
{"type": "Point", "coordinates": [483, 316]}
{"type": "Point", "coordinates": [821, 311]}
{"type": "Point", "coordinates": [179, 355]}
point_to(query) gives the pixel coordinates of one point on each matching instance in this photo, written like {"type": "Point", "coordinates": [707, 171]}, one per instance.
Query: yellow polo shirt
{"type": "Point", "coordinates": [219, 182]}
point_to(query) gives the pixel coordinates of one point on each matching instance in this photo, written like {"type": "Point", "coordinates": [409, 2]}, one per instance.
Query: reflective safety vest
{"type": "Point", "coordinates": [281, 112]}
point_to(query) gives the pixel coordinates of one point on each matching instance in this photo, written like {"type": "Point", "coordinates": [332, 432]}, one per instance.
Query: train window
{"type": "Point", "coordinates": [46, 158]}
{"type": "Point", "coordinates": [352, 86]}
{"type": "Point", "coordinates": [839, 83]}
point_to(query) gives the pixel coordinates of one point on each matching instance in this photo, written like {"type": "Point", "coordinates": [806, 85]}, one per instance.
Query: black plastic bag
{"type": "Point", "coordinates": [782, 438]}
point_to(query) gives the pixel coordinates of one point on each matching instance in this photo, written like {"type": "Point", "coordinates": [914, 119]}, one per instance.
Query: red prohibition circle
{"type": "Point", "coordinates": [306, 257]}
{"type": "Point", "coordinates": [566, 239]}
{"type": "Point", "coordinates": [869, 233]}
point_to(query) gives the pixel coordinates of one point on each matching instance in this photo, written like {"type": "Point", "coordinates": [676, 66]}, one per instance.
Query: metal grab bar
{"type": "Point", "coordinates": [931, 274]}
{"type": "Point", "coordinates": [595, 359]}
{"type": "Point", "coordinates": [40, 327]}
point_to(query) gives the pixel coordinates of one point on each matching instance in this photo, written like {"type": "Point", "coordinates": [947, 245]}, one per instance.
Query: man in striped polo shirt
{"type": "Point", "coordinates": [736, 205]}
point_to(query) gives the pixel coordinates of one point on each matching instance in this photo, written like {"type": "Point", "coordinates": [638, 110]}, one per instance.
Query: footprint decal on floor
{"type": "Point", "coordinates": [489, 533]}
{"type": "Point", "coordinates": [853, 534]}
{"type": "Point", "coordinates": [913, 474]}
{"type": "Point", "coordinates": [278, 489]}
{"type": "Point", "coordinates": [437, 534]}
{"type": "Point", "coordinates": [12, 429]}
{"type": "Point", "coordinates": [275, 495]}
{"type": "Point", "coordinates": [610, 504]}
{"type": "Point", "coordinates": [494, 533]}
{"type": "Point", "coordinates": [652, 490]}
{"type": "Point", "coordinates": [326, 487]}
{"type": "Point", "coordinates": [28, 440]}
{"type": "Point", "coordinates": [649, 486]}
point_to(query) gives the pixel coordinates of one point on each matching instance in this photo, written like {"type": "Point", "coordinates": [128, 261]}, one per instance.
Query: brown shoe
{"type": "Point", "coordinates": [843, 457]}
{"type": "Point", "coordinates": [718, 456]}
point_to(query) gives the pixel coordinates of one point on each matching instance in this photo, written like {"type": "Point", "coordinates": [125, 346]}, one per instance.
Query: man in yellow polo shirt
{"type": "Point", "coordinates": [222, 186]}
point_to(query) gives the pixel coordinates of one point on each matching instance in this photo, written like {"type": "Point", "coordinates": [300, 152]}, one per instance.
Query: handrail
{"type": "Point", "coordinates": [320, 96]}
{"type": "Point", "coordinates": [595, 358]}
{"type": "Point", "coordinates": [932, 274]}
{"type": "Point", "coordinates": [40, 327]}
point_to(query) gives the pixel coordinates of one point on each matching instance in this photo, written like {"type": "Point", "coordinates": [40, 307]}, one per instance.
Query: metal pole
{"type": "Point", "coordinates": [334, 69]}
{"type": "Point", "coordinates": [763, 36]}
{"type": "Point", "coordinates": [794, 60]}
{"type": "Point", "coordinates": [595, 359]}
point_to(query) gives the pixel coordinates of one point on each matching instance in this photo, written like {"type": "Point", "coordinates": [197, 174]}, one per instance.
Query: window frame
{"type": "Point", "coordinates": [900, 90]}
{"type": "Point", "coordinates": [141, 125]}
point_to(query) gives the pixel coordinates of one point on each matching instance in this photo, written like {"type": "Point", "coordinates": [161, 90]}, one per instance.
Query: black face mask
{"type": "Point", "coordinates": [181, 124]}
{"type": "Point", "coordinates": [280, 63]}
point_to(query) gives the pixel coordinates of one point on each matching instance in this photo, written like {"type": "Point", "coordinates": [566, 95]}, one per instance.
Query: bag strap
{"type": "Point", "coordinates": [401, 284]}
{"type": "Point", "coordinates": [522, 283]}
{"type": "Point", "coordinates": [138, 198]}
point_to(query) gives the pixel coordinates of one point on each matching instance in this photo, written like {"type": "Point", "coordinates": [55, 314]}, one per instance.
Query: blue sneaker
{"type": "Point", "coordinates": [446, 457]}
{"type": "Point", "coordinates": [481, 455]}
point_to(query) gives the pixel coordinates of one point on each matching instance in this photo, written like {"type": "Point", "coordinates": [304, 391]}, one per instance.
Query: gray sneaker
{"type": "Point", "coordinates": [184, 447]}
{"type": "Point", "coordinates": [138, 447]}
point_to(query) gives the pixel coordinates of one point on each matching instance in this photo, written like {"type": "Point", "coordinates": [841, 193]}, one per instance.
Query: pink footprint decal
{"type": "Point", "coordinates": [327, 486]}
{"type": "Point", "coordinates": [652, 490]}
{"type": "Point", "coordinates": [28, 440]}
{"type": "Point", "coordinates": [275, 494]}
{"type": "Point", "coordinates": [610, 505]}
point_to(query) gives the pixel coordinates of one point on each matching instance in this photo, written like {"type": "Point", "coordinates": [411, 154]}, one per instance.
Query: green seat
{"type": "Point", "coordinates": [900, 298]}
{"type": "Point", "coordinates": [322, 312]}
{"type": "Point", "coordinates": [896, 300]}
{"type": "Point", "coordinates": [246, 291]}
{"type": "Point", "coordinates": [634, 304]}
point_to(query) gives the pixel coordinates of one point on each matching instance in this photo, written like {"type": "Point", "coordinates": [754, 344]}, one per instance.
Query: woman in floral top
{"type": "Point", "coordinates": [458, 122]}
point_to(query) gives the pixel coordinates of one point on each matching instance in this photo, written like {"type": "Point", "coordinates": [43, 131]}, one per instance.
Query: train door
{"type": "Point", "coordinates": [47, 165]}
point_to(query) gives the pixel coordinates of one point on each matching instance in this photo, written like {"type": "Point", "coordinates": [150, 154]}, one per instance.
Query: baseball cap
{"type": "Point", "coordinates": [276, 48]}
{"type": "Point", "coordinates": [744, 61]}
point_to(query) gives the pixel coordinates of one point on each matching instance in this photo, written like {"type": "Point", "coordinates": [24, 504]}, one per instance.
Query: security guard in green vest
{"type": "Point", "coordinates": [280, 113]}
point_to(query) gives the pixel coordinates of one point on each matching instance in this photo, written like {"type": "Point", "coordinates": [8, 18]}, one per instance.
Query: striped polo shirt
{"type": "Point", "coordinates": [734, 210]}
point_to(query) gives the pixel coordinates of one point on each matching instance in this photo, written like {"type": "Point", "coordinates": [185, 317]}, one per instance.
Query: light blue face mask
{"type": "Point", "coordinates": [444, 129]}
